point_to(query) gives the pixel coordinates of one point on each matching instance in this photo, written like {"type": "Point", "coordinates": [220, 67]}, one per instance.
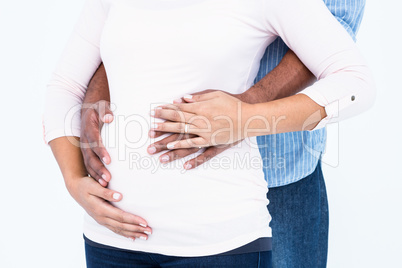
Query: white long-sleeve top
{"type": "Point", "coordinates": [155, 51]}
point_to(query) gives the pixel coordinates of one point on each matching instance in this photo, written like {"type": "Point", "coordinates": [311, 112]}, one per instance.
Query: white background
{"type": "Point", "coordinates": [41, 225]}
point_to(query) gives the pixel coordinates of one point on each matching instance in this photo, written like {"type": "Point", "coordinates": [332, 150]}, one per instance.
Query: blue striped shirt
{"type": "Point", "coordinates": [289, 157]}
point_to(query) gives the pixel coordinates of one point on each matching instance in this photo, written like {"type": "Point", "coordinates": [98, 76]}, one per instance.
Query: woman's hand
{"type": "Point", "coordinates": [96, 199]}
{"type": "Point", "coordinates": [216, 118]}
{"type": "Point", "coordinates": [91, 196]}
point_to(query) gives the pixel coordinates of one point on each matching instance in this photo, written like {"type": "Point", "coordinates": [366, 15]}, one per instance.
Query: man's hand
{"type": "Point", "coordinates": [92, 119]}
{"type": "Point", "coordinates": [172, 155]}
{"type": "Point", "coordinates": [95, 200]}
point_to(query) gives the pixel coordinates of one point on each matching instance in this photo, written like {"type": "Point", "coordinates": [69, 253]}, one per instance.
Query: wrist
{"type": "Point", "coordinates": [246, 118]}
{"type": "Point", "coordinates": [72, 183]}
{"type": "Point", "coordinates": [254, 122]}
{"type": "Point", "coordinates": [244, 97]}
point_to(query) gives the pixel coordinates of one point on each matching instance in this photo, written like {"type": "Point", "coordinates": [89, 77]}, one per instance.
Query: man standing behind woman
{"type": "Point", "coordinates": [292, 166]}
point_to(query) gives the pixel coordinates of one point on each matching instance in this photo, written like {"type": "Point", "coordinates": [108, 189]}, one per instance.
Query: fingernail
{"type": "Point", "coordinates": [152, 113]}
{"type": "Point", "coordinates": [154, 126]}
{"type": "Point", "coordinates": [188, 96]}
{"type": "Point", "coordinates": [107, 117]}
{"type": "Point", "coordinates": [116, 196]}
{"type": "Point", "coordinates": [102, 182]}
{"type": "Point", "coordinates": [131, 239]}
{"type": "Point", "coordinates": [171, 145]}
{"type": "Point", "coordinates": [104, 176]}
{"type": "Point", "coordinates": [151, 150]}
{"type": "Point", "coordinates": [143, 238]}
{"type": "Point", "coordinates": [147, 232]}
{"type": "Point", "coordinates": [152, 134]}
{"type": "Point", "coordinates": [178, 101]}
{"type": "Point", "coordinates": [143, 225]}
{"type": "Point", "coordinates": [188, 166]}
{"type": "Point", "coordinates": [165, 158]}
{"type": "Point", "coordinates": [104, 159]}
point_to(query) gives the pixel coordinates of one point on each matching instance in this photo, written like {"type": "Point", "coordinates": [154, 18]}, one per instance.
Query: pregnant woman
{"type": "Point", "coordinates": [157, 50]}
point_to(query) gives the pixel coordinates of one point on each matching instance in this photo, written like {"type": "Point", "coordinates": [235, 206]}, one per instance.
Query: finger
{"type": "Point", "coordinates": [96, 177]}
{"type": "Point", "coordinates": [104, 112]}
{"type": "Point", "coordinates": [91, 137]}
{"type": "Point", "coordinates": [107, 118]}
{"type": "Point", "coordinates": [107, 210]}
{"type": "Point", "coordinates": [177, 154]}
{"type": "Point", "coordinates": [191, 108]}
{"type": "Point", "coordinates": [174, 127]}
{"type": "Point", "coordinates": [115, 219]}
{"type": "Point", "coordinates": [127, 226]}
{"type": "Point", "coordinates": [134, 223]}
{"type": "Point", "coordinates": [102, 182]}
{"type": "Point", "coordinates": [171, 115]}
{"type": "Point", "coordinates": [104, 193]}
{"type": "Point", "coordinates": [181, 100]}
{"type": "Point", "coordinates": [161, 145]}
{"type": "Point", "coordinates": [201, 97]}
{"type": "Point", "coordinates": [188, 143]}
{"type": "Point", "coordinates": [209, 153]}
{"type": "Point", "coordinates": [101, 152]}
{"type": "Point", "coordinates": [94, 139]}
{"type": "Point", "coordinates": [122, 221]}
{"type": "Point", "coordinates": [106, 214]}
{"type": "Point", "coordinates": [155, 134]}
{"type": "Point", "coordinates": [120, 229]}
{"type": "Point", "coordinates": [93, 163]}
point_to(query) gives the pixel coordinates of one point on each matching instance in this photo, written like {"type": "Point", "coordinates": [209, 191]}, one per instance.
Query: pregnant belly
{"type": "Point", "coordinates": [223, 189]}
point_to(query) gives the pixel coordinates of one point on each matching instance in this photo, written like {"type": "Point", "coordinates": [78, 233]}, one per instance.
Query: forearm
{"type": "Point", "coordinates": [98, 88]}
{"type": "Point", "coordinates": [295, 113]}
{"type": "Point", "coordinates": [219, 118]}
{"type": "Point", "coordinates": [68, 155]}
{"type": "Point", "coordinates": [288, 78]}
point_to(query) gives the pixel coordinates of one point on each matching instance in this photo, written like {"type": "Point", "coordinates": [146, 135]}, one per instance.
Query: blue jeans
{"type": "Point", "coordinates": [300, 223]}
{"type": "Point", "coordinates": [110, 258]}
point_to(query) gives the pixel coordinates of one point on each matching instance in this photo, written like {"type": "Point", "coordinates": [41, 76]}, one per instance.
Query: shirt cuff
{"type": "Point", "coordinates": [332, 109]}
{"type": "Point", "coordinates": [57, 133]}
